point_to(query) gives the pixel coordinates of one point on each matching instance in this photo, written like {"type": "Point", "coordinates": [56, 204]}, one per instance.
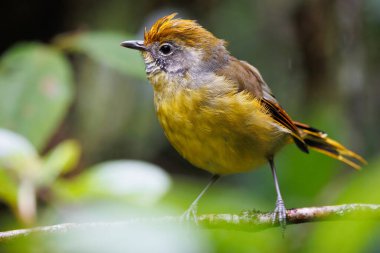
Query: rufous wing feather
{"type": "Point", "coordinates": [280, 115]}
{"type": "Point", "coordinates": [319, 141]}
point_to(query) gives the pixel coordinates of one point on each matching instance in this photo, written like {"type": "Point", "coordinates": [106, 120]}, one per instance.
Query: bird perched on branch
{"type": "Point", "coordinates": [216, 110]}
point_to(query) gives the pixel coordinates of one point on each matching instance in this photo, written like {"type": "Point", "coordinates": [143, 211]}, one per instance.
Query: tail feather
{"type": "Point", "coordinates": [319, 141]}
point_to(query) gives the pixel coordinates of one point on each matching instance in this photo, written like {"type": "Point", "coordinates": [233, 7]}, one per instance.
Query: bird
{"type": "Point", "coordinates": [217, 111]}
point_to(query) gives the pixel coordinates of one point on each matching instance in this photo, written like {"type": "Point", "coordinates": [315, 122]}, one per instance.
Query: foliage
{"type": "Point", "coordinates": [23, 172]}
{"type": "Point", "coordinates": [103, 48]}
{"type": "Point", "coordinates": [35, 91]}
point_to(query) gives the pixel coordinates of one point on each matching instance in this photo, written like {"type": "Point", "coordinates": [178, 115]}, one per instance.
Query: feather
{"type": "Point", "coordinates": [319, 141]}
{"type": "Point", "coordinates": [248, 78]}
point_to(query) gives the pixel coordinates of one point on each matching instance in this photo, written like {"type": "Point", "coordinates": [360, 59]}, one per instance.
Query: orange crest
{"type": "Point", "coordinates": [181, 31]}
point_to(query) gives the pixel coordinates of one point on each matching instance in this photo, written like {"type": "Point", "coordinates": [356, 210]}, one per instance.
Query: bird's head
{"type": "Point", "coordinates": [178, 47]}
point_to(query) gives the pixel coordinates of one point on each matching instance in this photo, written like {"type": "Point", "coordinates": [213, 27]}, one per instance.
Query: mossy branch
{"type": "Point", "coordinates": [252, 221]}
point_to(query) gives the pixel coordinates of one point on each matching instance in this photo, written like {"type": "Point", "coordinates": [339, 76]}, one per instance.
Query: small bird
{"type": "Point", "coordinates": [217, 111]}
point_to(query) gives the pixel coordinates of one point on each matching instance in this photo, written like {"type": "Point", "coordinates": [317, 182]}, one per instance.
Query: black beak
{"type": "Point", "coordinates": [134, 44]}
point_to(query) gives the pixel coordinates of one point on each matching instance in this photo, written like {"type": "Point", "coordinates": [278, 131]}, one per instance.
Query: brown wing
{"type": "Point", "coordinates": [248, 78]}
{"type": "Point", "coordinates": [284, 119]}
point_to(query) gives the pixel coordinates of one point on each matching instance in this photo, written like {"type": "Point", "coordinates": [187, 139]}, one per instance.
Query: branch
{"type": "Point", "coordinates": [252, 221]}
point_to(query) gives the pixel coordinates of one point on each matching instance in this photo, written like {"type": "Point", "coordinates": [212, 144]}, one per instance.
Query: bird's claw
{"type": "Point", "coordinates": [279, 214]}
{"type": "Point", "coordinates": [190, 215]}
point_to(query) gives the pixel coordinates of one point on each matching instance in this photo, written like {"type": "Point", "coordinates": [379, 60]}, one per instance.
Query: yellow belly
{"type": "Point", "coordinates": [223, 134]}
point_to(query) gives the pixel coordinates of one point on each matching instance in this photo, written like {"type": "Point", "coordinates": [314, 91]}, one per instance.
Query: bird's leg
{"type": "Point", "coordinates": [280, 210]}
{"type": "Point", "coordinates": [191, 212]}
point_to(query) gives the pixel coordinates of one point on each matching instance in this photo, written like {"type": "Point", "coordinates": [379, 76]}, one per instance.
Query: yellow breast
{"type": "Point", "coordinates": [227, 132]}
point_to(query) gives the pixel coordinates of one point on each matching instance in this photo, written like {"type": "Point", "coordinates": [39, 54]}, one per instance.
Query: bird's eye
{"type": "Point", "coordinates": [166, 49]}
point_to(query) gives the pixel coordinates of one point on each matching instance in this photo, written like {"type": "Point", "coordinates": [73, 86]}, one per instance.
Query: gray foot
{"type": "Point", "coordinates": [190, 214]}
{"type": "Point", "coordinates": [280, 213]}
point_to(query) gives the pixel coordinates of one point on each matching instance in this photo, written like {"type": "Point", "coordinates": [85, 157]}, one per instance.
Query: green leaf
{"type": "Point", "coordinates": [8, 189]}
{"type": "Point", "coordinates": [104, 48]}
{"type": "Point", "coordinates": [61, 159]}
{"type": "Point", "coordinates": [16, 152]}
{"type": "Point", "coordinates": [18, 159]}
{"type": "Point", "coordinates": [135, 181]}
{"type": "Point", "coordinates": [35, 91]}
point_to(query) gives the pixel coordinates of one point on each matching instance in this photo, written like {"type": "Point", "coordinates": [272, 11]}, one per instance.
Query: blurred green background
{"type": "Point", "coordinates": [79, 140]}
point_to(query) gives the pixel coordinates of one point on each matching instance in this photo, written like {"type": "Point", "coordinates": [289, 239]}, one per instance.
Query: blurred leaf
{"type": "Point", "coordinates": [104, 48]}
{"type": "Point", "coordinates": [61, 159]}
{"type": "Point", "coordinates": [35, 91]}
{"type": "Point", "coordinates": [27, 201]}
{"type": "Point", "coordinates": [135, 181]}
{"type": "Point", "coordinates": [8, 189]}
{"type": "Point", "coordinates": [12, 144]}
{"type": "Point", "coordinates": [132, 238]}
{"type": "Point", "coordinates": [19, 163]}
{"type": "Point", "coordinates": [128, 237]}
{"type": "Point", "coordinates": [16, 152]}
